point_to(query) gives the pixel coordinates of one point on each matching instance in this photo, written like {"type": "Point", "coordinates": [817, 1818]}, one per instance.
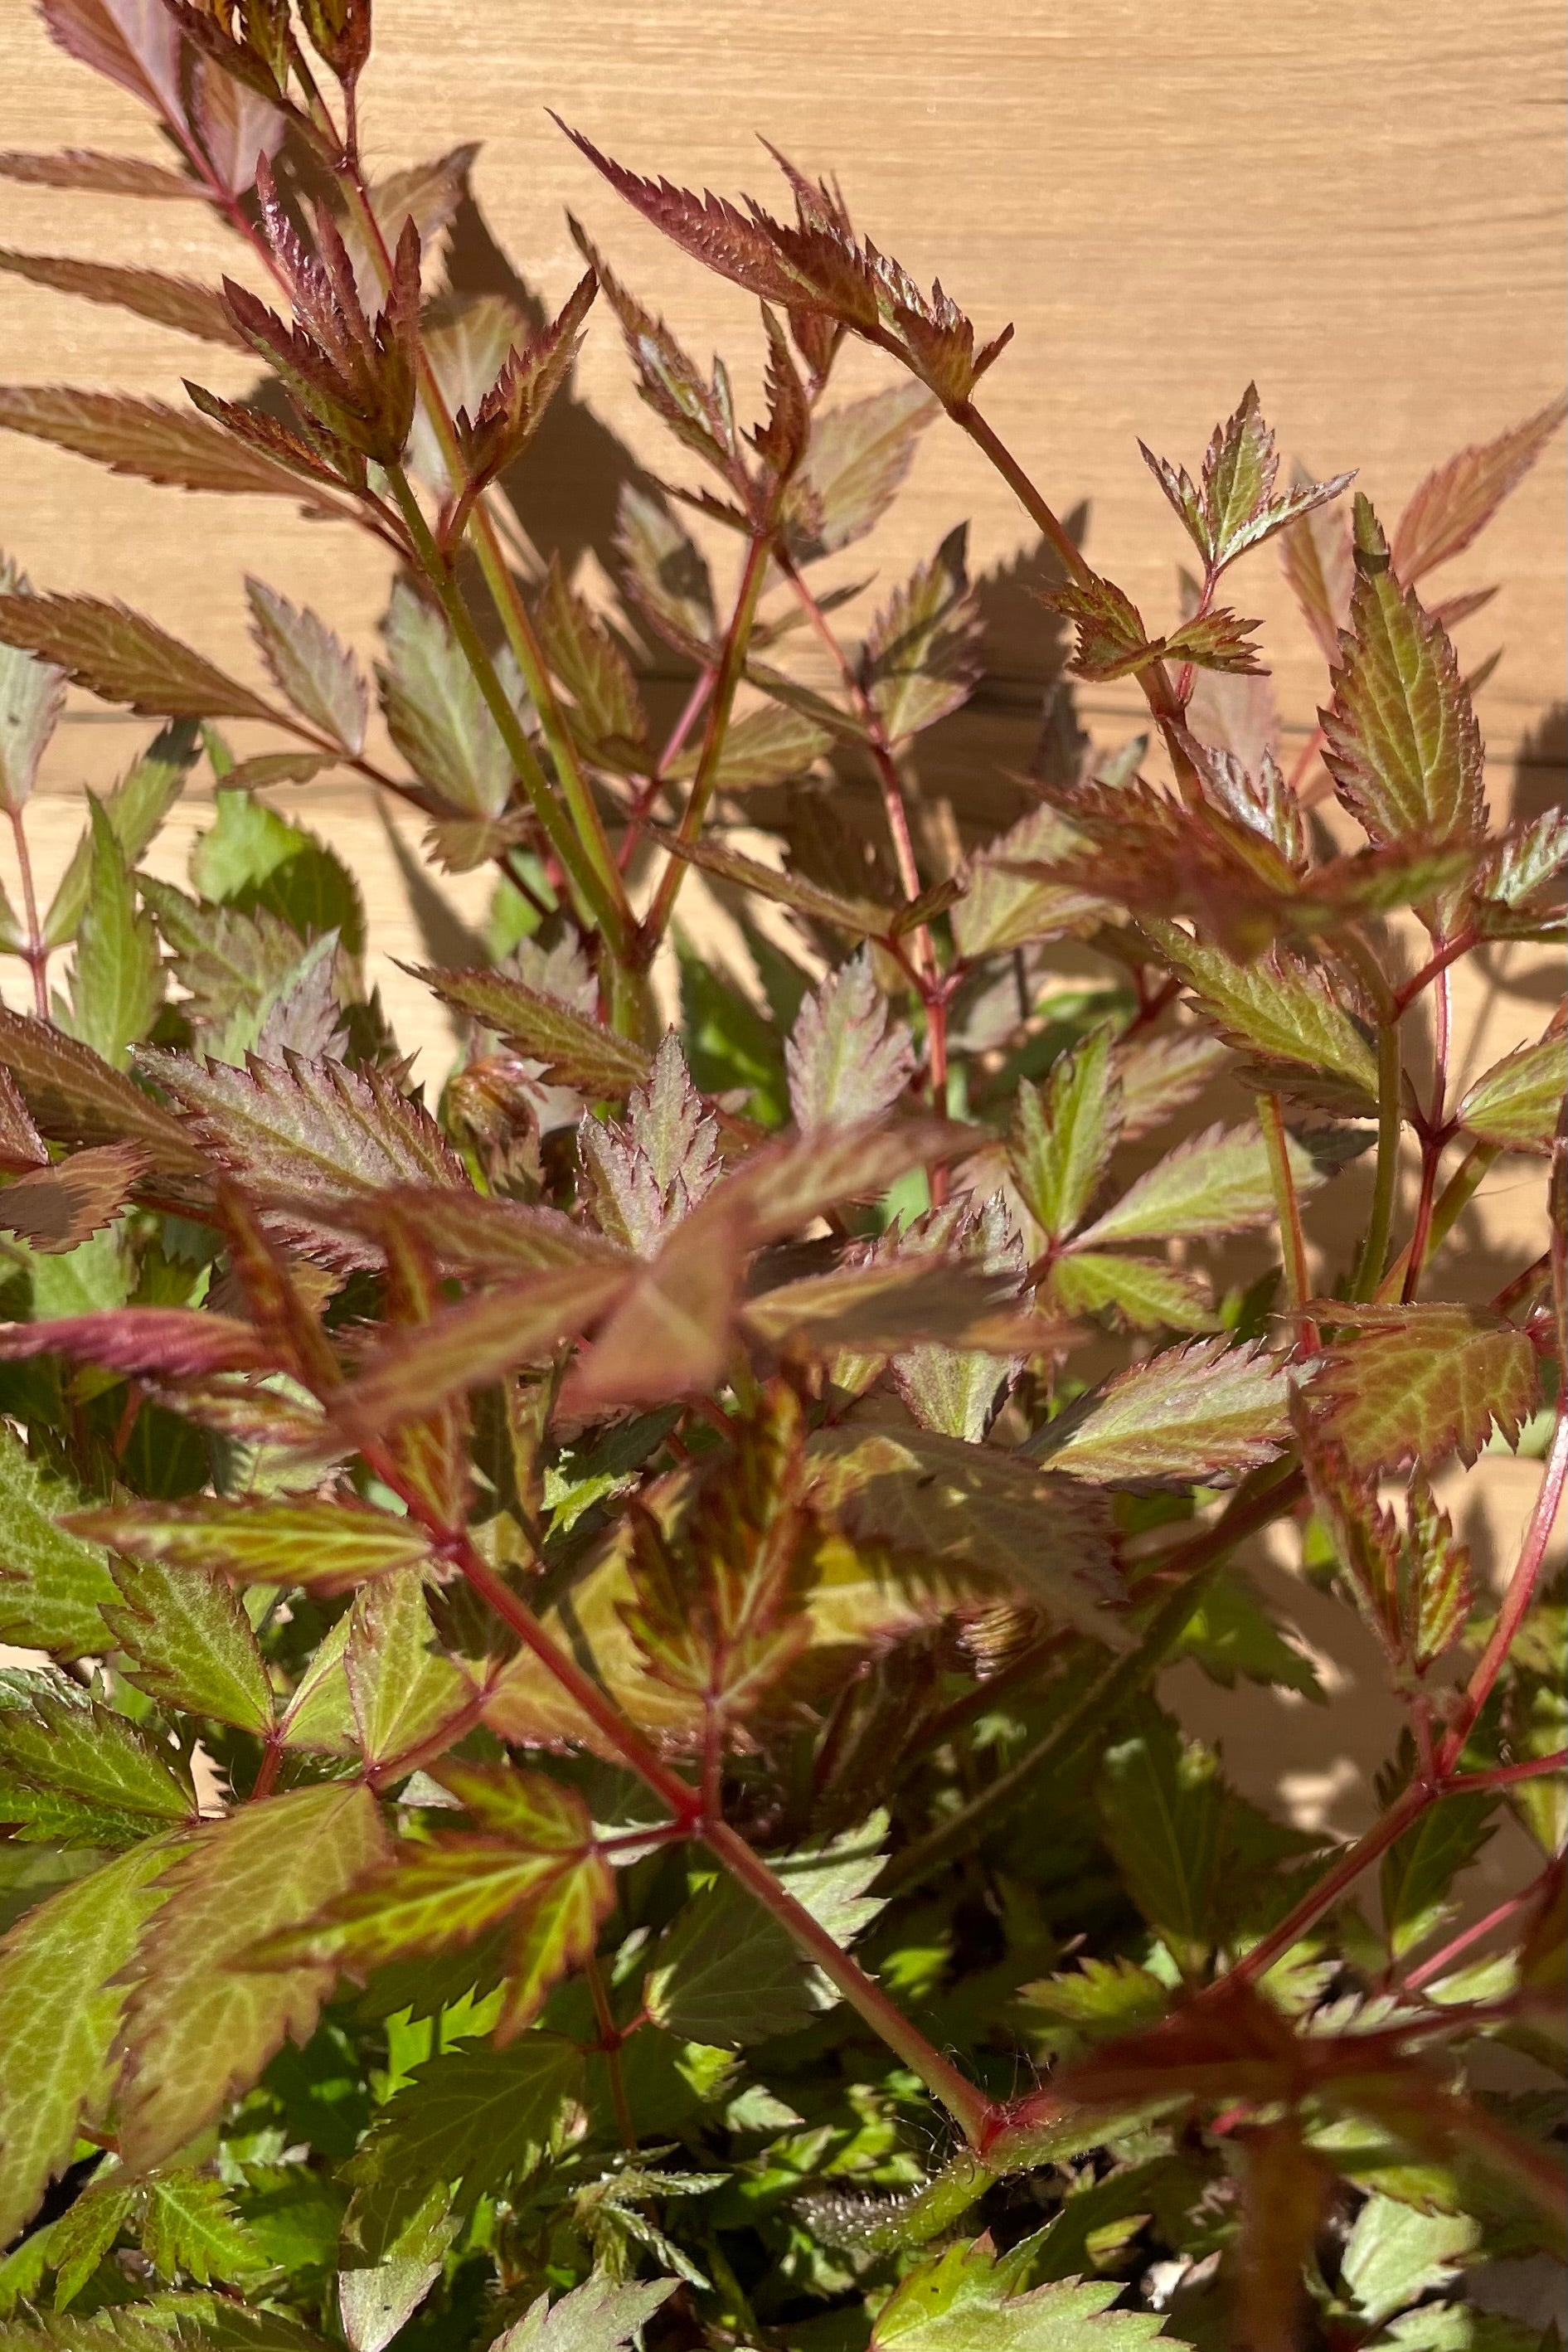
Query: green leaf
{"type": "Point", "coordinates": [117, 984]}
{"type": "Point", "coordinates": [534, 1864]}
{"type": "Point", "coordinates": [66, 1746]}
{"type": "Point", "coordinates": [201, 2026]}
{"type": "Point", "coordinates": [1006, 906]}
{"type": "Point", "coordinates": [1420, 1868]}
{"type": "Point", "coordinates": [239, 968]}
{"type": "Point", "coordinates": [310, 666]}
{"type": "Point", "coordinates": [188, 1642]}
{"type": "Point", "coordinates": [574, 1049]}
{"type": "Point", "coordinates": [136, 809]}
{"type": "Point", "coordinates": [1280, 1008]}
{"type": "Point", "coordinates": [324, 1545]}
{"type": "Point", "coordinates": [375, 2303]}
{"type": "Point", "coordinates": [53, 1584]}
{"type": "Point", "coordinates": [1064, 1133]}
{"type": "Point", "coordinates": [473, 2115]}
{"type": "Point", "coordinates": [405, 1691]}
{"type": "Point", "coordinates": [436, 713]}
{"type": "Point", "coordinates": [190, 2231]}
{"type": "Point", "coordinates": [1234, 507]}
{"type": "Point", "coordinates": [1518, 1100]}
{"type": "Point", "coordinates": [1216, 1183]}
{"type": "Point", "coordinates": [121, 656]}
{"type": "Point", "coordinates": [1162, 1803]}
{"type": "Point", "coordinates": [1139, 1293]}
{"type": "Point", "coordinates": [1198, 1415]}
{"type": "Point", "coordinates": [970, 2299]}
{"type": "Point", "coordinates": [920, 660]}
{"type": "Point", "coordinates": [665, 574]}
{"type": "Point", "coordinates": [1400, 739]}
{"type": "Point", "coordinates": [597, 2317]}
{"type": "Point", "coordinates": [32, 695]}
{"type": "Point", "coordinates": [728, 1042]}
{"type": "Point", "coordinates": [971, 1508]}
{"type": "Point", "coordinates": [1396, 2254]}
{"type": "Point", "coordinates": [1417, 1383]}
{"type": "Point", "coordinates": [1232, 1632]}
{"type": "Point", "coordinates": [62, 2000]}
{"type": "Point", "coordinates": [847, 1058]}
{"type": "Point", "coordinates": [78, 2241]}
{"type": "Point", "coordinates": [766, 747]}
{"type": "Point", "coordinates": [254, 859]}
{"type": "Point", "coordinates": [728, 1974]}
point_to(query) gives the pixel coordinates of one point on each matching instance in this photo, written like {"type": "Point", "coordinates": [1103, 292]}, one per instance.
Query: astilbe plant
{"type": "Point", "coordinates": [591, 1768]}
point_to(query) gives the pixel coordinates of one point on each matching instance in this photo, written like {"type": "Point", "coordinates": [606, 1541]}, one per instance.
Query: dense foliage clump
{"type": "Point", "coordinates": [591, 1766]}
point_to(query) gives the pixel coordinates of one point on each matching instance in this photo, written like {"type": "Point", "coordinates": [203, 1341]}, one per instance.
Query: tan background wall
{"type": "Point", "coordinates": [1360, 206]}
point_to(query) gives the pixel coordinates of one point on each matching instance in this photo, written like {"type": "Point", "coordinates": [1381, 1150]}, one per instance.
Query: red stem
{"type": "Point", "coordinates": [1507, 1776]}
{"type": "Point", "coordinates": [637, 814]}
{"type": "Point", "coordinates": [1431, 1968]}
{"type": "Point", "coordinates": [1517, 1600]}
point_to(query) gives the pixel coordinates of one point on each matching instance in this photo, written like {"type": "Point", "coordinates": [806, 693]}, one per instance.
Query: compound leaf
{"type": "Point", "coordinates": [188, 1642]}
{"type": "Point", "coordinates": [972, 2299]}
{"type": "Point", "coordinates": [1064, 1133]}
{"type": "Point", "coordinates": [201, 2025]}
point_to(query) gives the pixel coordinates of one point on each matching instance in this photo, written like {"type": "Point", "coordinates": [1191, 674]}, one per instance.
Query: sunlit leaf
{"type": "Point", "coordinates": [1416, 1383]}
{"type": "Point", "coordinates": [117, 982]}
{"type": "Point", "coordinates": [273, 1541]}
{"type": "Point", "coordinates": [1216, 1183]}
{"type": "Point", "coordinates": [1201, 1414]}
{"type": "Point", "coordinates": [1400, 739]}
{"type": "Point", "coordinates": [53, 1583]}
{"type": "Point", "coordinates": [597, 2317]}
{"type": "Point", "coordinates": [121, 656]}
{"type": "Point", "coordinates": [1063, 1135]}
{"type": "Point", "coordinates": [1140, 1292]}
{"type": "Point", "coordinates": [136, 809]}
{"type": "Point", "coordinates": [1456, 501]}
{"type": "Point", "coordinates": [56, 1209]}
{"type": "Point", "coordinates": [201, 2025]}
{"type": "Point", "coordinates": [62, 2000]}
{"type": "Point", "coordinates": [972, 2299]}
{"type": "Point", "coordinates": [1233, 505]}
{"type": "Point", "coordinates": [188, 1642]}
{"type": "Point", "coordinates": [1280, 1008]}
{"type": "Point", "coordinates": [309, 666]}
{"type": "Point", "coordinates": [81, 1758]}
{"type": "Point", "coordinates": [177, 302]}
{"type": "Point", "coordinates": [574, 1050]}
{"type": "Point", "coordinates": [1516, 1103]}
{"type": "Point", "coordinates": [847, 1058]}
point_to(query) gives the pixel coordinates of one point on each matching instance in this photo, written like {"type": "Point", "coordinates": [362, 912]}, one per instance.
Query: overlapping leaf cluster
{"type": "Point", "coordinates": [584, 1759]}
